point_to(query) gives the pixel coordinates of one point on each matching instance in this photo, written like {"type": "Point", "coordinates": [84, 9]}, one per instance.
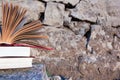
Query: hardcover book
{"type": "Point", "coordinates": [14, 51]}
{"type": "Point", "coordinates": [15, 62]}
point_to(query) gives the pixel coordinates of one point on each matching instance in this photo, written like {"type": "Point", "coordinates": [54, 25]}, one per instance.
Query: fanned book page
{"type": "Point", "coordinates": [13, 27]}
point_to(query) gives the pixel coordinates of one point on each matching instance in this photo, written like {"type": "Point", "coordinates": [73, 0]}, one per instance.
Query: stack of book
{"type": "Point", "coordinates": [14, 35]}
{"type": "Point", "coordinates": [15, 57]}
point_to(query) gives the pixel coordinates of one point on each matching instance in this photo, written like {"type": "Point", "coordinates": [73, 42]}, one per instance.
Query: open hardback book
{"type": "Point", "coordinates": [14, 27]}
{"type": "Point", "coordinates": [15, 31]}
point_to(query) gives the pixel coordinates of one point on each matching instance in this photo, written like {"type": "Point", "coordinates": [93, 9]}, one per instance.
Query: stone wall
{"type": "Point", "coordinates": [85, 35]}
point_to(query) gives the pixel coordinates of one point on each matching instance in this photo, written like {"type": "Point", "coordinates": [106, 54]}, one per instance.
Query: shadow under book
{"type": "Point", "coordinates": [15, 57]}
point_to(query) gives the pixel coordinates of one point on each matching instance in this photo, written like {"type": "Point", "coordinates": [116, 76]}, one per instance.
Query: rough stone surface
{"type": "Point", "coordinates": [79, 28]}
{"type": "Point", "coordinates": [72, 2]}
{"type": "Point", "coordinates": [34, 8]}
{"type": "Point", "coordinates": [89, 10]}
{"type": "Point", "coordinates": [54, 14]}
{"type": "Point", "coordinates": [85, 38]}
{"type": "Point", "coordinates": [70, 57]}
{"type": "Point", "coordinates": [113, 12]}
